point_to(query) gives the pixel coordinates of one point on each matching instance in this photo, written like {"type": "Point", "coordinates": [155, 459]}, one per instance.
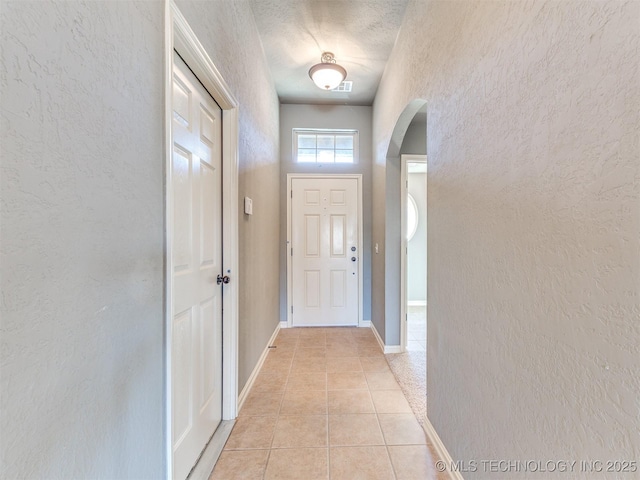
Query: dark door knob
{"type": "Point", "coordinates": [222, 279]}
{"type": "Point", "coordinates": [353, 259]}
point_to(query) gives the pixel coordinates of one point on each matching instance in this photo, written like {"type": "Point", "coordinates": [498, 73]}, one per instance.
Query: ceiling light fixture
{"type": "Point", "coordinates": [328, 74]}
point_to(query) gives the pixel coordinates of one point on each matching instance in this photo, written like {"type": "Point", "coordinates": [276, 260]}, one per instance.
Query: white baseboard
{"type": "Point", "coordinates": [247, 387]}
{"type": "Point", "coordinates": [377, 335]}
{"type": "Point", "coordinates": [393, 349]}
{"type": "Point", "coordinates": [383, 347]}
{"type": "Point", "coordinates": [417, 303]}
{"type": "Point", "coordinates": [365, 324]}
{"type": "Point", "coordinates": [284, 324]}
{"type": "Point", "coordinates": [441, 450]}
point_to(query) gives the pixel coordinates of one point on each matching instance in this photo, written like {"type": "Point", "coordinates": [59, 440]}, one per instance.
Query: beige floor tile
{"type": "Point", "coordinates": [275, 364]}
{"type": "Point", "coordinates": [270, 382]}
{"type": "Point", "coordinates": [390, 401]}
{"type": "Point", "coordinates": [350, 401]}
{"type": "Point", "coordinates": [245, 464]}
{"type": "Point", "coordinates": [339, 339]}
{"type": "Point", "coordinates": [360, 463]}
{"type": "Point", "coordinates": [342, 351]}
{"type": "Point", "coordinates": [368, 341]}
{"type": "Point", "coordinates": [311, 352]}
{"type": "Point", "coordinates": [374, 364]}
{"type": "Point", "coordinates": [304, 402]}
{"type": "Point", "coordinates": [346, 381]}
{"type": "Point", "coordinates": [412, 462]}
{"type": "Point", "coordinates": [300, 431]}
{"type": "Point", "coordinates": [251, 433]}
{"type": "Point", "coordinates": [288, 349]}
{"type": "Point", "coordinates": [339, 331]}
{"type": "Point", "coordinates": [289, 342]}
{"type": "Point", "coordinates": [313, 334]}
{"type": "Point", "coordinates": [370, 351]}
{"type": "Point", "coordinates": [362, 332]}
{"type": "Point", "coordinates": [311, 343]}
{"type": "Point", "coordinates": [381, 381]}
{"type": "Point", "coordinates": [309, 365]}
{"type": "Point", "coordinates": [261, 403]}
{"type": "Point", "coordinates": [288, 333]}
{"type": "Point", "coordinates": [307, 381]}
{"type": "Point", "coordinates": [297, 464]}
{"type": "Point", "coordinates": [401, 429]}
{"type": "Point", "coordinates": [343, 364]}
{"type": "Point", "coordinates": [355, 429]}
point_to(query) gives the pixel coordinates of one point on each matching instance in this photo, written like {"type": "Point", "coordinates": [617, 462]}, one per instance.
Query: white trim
{"type": "Point", "coordinates": [385, 348]}
{"type": "Point", "coordinates": [404, 191]}
{"type": "Point", "coordinates": [393, 349]}
{"type": "Point", "coordinates": [180, 37]}
{"type": "Point", "coordinates": [365, 324]}
{"type": "Point", "coordinates": [441, 450]}
{"type": "Point", "coordinates": [284, 324]}
{"type": "Point", "coordinates": [417, 303]}
{"type": "Point", "coordinates": [252, 378]}
{"type": "Point", "coordinates": [358, 177]}
{"type": "Point", "coordinates": [375, 334]}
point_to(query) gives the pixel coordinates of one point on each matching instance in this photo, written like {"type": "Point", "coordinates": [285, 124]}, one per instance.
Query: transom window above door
{"type": "Point", "coordinates": [325, 146]}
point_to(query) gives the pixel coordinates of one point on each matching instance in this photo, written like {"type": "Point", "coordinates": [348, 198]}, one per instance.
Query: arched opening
{"type": "Point", "coordinates": [406, 258]}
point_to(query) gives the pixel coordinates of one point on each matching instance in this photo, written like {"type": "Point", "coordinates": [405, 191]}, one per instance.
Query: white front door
{"type": "Point", "coordinates": [196, 246]}
{"type": "Point", "coordinates": [325, 251]}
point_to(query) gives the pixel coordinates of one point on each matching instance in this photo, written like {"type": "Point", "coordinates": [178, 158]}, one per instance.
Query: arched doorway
{"type": "Point", "coordinates": [405, 258]}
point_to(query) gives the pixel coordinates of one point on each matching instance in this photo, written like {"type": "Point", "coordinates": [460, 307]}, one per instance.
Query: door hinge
{"type": "Point", "coordinates": [292, 251]}
{"type": "Point", "coordinates": [292, 309]}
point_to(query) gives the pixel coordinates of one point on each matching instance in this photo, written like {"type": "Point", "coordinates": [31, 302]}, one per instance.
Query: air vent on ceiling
{"type": "Point", "coordinates": [343, 87]}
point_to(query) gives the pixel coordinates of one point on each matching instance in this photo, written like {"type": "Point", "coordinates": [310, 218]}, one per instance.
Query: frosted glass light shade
{"type": "Point", "coordinates": [327, 76]}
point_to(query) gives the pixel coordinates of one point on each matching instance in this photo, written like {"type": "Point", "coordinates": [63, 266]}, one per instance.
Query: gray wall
{"type": "Point", "coordinates": [417, 246]}
{"type": "Point", "coordinates": [533, 222]}
{"type": "Point", "coordinates": [326, 116]}
{"type": "Point", "coordinates": [81, 250]}
{"type": "Point", "coordinates": [415, 140]}
{"type": "Point", "coordinates": [228, 32]}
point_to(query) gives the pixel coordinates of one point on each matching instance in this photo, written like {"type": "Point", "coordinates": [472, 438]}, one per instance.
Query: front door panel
{"type": "Point", "coordinates": [324, 229]}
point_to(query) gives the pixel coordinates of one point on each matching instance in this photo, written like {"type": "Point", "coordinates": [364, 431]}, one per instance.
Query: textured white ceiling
{"type": "Point", "coordinates": [360, 33]}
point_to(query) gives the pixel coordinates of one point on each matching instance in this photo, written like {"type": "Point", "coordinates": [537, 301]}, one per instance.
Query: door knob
{"type": "Point", "coordinates": [222, 279]}
{"type": "Point", "coordinates": [353, 259]}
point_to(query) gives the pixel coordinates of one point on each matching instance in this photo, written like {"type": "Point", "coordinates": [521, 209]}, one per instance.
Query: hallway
{"type": "Point", "coordinates": [326, 405]}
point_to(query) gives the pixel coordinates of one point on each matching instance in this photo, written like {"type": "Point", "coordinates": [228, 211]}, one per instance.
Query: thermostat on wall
{"type": "Point", "coordinates": [248, 206]}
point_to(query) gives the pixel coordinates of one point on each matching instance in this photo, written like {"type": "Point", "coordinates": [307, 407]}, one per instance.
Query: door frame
{"type": "Point", "coordinates": [290, 178]}
{"type": "Point", "coordinates": [404, 190]}
{"type": "Point", "coordinates": [180, 37]}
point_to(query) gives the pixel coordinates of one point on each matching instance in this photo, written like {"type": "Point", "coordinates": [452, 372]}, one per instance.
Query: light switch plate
{"type": "Point", "coordinates": [248, 206]}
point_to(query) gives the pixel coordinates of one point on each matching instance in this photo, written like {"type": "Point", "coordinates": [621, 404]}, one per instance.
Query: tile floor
{"type": "Point", "coordinates": [416, 328]}
{"type": "Point", "coordinates": [326, 405]}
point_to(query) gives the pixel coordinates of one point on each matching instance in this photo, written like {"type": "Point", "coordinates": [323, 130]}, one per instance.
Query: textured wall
{"type": "Point", "coordinates": [228, 32]}
{"type": "Point", "coordinates": [82, 227]}
{"type": "Point", "coordinates": [533, 222]}
{"type": "Point", "coordinates": [326, 116]}
{"type": "Point", "coordinates": [81, 250]}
